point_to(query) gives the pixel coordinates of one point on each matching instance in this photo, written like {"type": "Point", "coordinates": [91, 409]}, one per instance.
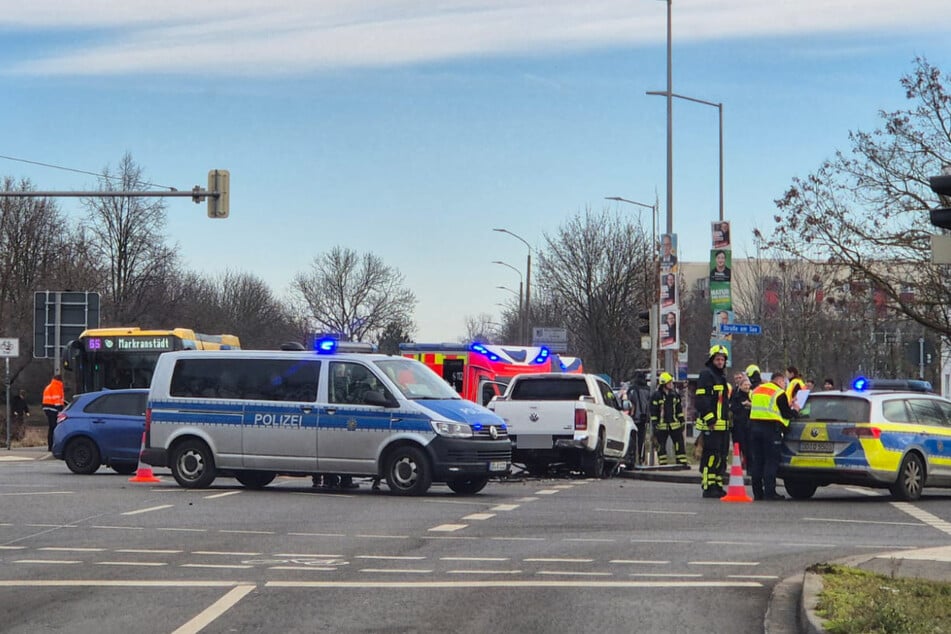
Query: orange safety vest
{"type": "Point", "coordinates": [53, 395]}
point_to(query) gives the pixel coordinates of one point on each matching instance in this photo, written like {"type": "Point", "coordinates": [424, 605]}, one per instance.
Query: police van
{"type": "Point", "coordinates": [256, 414]}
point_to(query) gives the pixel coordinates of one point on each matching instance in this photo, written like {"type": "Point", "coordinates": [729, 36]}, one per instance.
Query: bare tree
{"type": "Point", "coordinates": [127, 234]}
{"type": "Point", "coordinates": [867, 209]}
{"type": "Point", "coordinates": [354, 295]}
{"type": "Point", "coordinates": [598, 271]}
{"type": "Point", "coordinates": [481, 328]}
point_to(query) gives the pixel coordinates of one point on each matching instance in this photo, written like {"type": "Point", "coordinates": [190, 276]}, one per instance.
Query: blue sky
{"type": "Point", "coordinates": [411, 129]}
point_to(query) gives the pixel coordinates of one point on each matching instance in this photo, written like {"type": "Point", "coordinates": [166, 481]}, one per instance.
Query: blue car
{"type": "Point", "coordinates": [101, 428]}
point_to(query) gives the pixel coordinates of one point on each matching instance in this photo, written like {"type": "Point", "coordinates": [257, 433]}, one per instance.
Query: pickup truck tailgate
{"type": "Point", "coordinates": [537, 425]}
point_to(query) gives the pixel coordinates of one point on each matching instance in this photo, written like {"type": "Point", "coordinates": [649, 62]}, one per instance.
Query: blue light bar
{"type": "Point", "coordinates": [542, 356]}
{"type": "Point", "coordinates": [325, 346]}
{"type": "Point", "coordinates": [478, 347]}
{"type": "Point", "coordinates": [860, 384]}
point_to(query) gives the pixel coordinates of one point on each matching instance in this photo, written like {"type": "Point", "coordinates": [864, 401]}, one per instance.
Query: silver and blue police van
{"type": "Point", "coordinates": [254, 415]}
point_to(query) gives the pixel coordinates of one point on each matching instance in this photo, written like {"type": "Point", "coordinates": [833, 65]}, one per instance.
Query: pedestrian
{"type": "Point", "coordinates": [752, 371]}
{"type": "Point", "coordinates": [713, 420]}
{"type": "Point", "coordinates": [828, 385]}
{"type": "Point", "coordinates": [54, 399]}
{"type": "Point", "coordinates": [640, 395]}
{"type": "Point", "coordinates": [740, 408]}
{"type": "Point", "coordinates": [667, 415]}
{"type": "Point", "coordinates": [769, 417]}
{"type": "Point", "coordinates": [19, 409]}
{"type": "Point", "coordinates": [794, 383]}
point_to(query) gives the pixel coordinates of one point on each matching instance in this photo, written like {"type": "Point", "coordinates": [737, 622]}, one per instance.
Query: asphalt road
{"type": "Point", "coordinates": [99, 554]}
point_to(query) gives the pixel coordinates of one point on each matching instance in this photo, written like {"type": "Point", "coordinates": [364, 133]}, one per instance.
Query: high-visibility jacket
{"type": "Point", "coordinates": [794, 386]}
{"type": "Point", "coordinates": [54, 396]}
{"type": "Point", "coordinates": [713, 401]}
{"type": "Point", "coordinates": [764, 405]}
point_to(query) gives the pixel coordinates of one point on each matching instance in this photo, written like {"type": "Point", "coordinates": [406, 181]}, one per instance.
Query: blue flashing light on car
{"type": "Point", "coordinates": [542, 356]}
{"type": "Point", "coordinates": [478, 347]}
{"type": "Point", "coordinates": [860, 384]}
{"type": "Point", "coordinates": [326, 345]}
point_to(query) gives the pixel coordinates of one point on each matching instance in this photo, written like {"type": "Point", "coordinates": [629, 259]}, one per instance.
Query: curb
{"type": "Point", "coordinates": [811, 622]}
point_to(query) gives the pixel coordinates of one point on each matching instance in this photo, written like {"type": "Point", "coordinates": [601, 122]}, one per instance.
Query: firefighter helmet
{"type": "Point", "coordinates": [751, 370]}
{"type": "Point", "coordinates": [718, 349]}
{"type": "Point", "coordinates": [664, 379]}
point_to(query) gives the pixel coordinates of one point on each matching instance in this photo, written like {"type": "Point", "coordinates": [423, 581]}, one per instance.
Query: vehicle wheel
{"type": "Point", "coordinates": [408, 471]}
{"type": "Point", "coordinates": [467, 486]}
{"type": "Point", "coordinates": [800, 489]}
{"type": "Point", "coordinates": [911, 479]}
{"type": "Point", "coordinates": [255, 479]}
{"type": "Point", "coordinates": [82, 456]}
{"type": "Point", "coordinates": [593, 462]}
{"type": "Point", "coordinates": [193, 465]}
{"type": "Point", "coordinates": [124, 468]}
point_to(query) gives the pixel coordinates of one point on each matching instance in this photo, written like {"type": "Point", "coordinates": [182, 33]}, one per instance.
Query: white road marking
{"type": "Point", "coordinates": [447, 528]}
{"type": "Point", "coordinates": [483, 572]}
{"type": "Point", "coordinates": [867, 492]}
{"type": "Point", "coordinates": [473, 559]}
{"type": "Point", "coordinates": [527, 499]}
{"type": "Point", "coordinates": [317, 568]}
{"type": "Point", "coordinates": [664, 574]}
{"type": "Point", "coordinates": [149, 510]}
{"type": "Point", "coordinates": [639, 562]}
{"type": "Point", "coordinates": [752, 577]}
{"type": "Point", "coordinates": [557, 560]}
{"type": "Point", "coordinates": [398, 570]}
{"type": "Point", "coordinates": [518, 539]}
{"type": "Point", "coordinates": [112, 583]}
{"type": "Point", "coordinates": [306, 556]}
{"type": "Point", "coordinates": [247, 532]}
{"type": "Point", "coordinates": [221, 495]}
{"type": "Point", "coordinates": [448, 537]}
{"type": "Point", "coordinates": [547, 492]}
{"type": "Point", "coordinates": [223, 552]}
{"type": "Point", "coordinates": [76, 550]}
{"type": "Point", "coordinates": [832, 520]}
{"type": "Point", "coordinates": [317, 534]}
{"type": "Point", "coordinates": [931, 520]}
{"type": "Point", "coordinates": [131, 563]}
{"type": "Point", "coordinates": [121, 528]}
{"type": "Point", "coordinates": [62, 562]}
{"type": "Point", "coordinates": [504, 507]}
{"type": "Point", "coordinates": [235, 566]}
{"type": "Point", "coordinates": [184, 530]}
{"type": "Point", "coordinates": [722, 563]}
{"type": "Point", "coordinates": [588, 539]}
{"type": "Point", "coordinates": [563, 486]}
{"type": "Point", "coordinates": [14, 459]}
{"type": "Point", "coordinates": [661, 541]}
{"type": "Point", "coordinates": [729, 543]}
{"type": "Point", "coordinates": [366, 536]}
{"type": "Point", "coordinates": [646, 511]}
{"type": "Point", "coordinates": [534, 583]}
{"type": "Point", "coordinates": [216, 609]}
{"type": "Point", "coordinates": [37, 493]}
{"type": "Point", "coordinates": [479, 516]}
{"type": "Point", "coordinates": [149, 551]}
{"type": "Point", "coordinates": [573, 573]}
{"type": "Point", "coordinates": [393, 557]}
{"type": "Point", "coordinates": [12, 547]}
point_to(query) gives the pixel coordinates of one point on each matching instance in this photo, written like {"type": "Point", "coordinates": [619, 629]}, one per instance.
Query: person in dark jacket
{"type": "Point", "coordinates": [740, 408]}
{"type": "Point", "coordinates": [769, 419]}
{"type": "Point", "coordinates": [713, 421]}
{"type": "Point", "coordinates": [667, 415]}
{"type": "Point", "coordinates": [752, 371]}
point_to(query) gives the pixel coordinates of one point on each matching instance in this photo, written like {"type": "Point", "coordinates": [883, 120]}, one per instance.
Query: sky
{"type": "Point", "coordinates": [411, 129]}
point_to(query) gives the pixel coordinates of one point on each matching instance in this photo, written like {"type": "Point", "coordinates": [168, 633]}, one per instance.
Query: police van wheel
{"type": "Point", "coordinates": [467, 486]}
{"type": "Point", "coordinates": [911, 479]}
{"type": "Point", "coordinates": [193, 465]}
{"type": "Point", "coordinates": [82, 456]}
{"type": "Point", "coordinates": [255, 479]}
{"type": "Point", "coordinates": [408, 471]}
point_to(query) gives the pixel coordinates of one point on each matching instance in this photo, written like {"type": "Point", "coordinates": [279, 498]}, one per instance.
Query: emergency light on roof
{"type": "Point", "coordinates": [478, 347]}
{"type": "Point", "coordinates": [329, 345]}
{"type": "Point", "coordinates": [542, 356]}
{"type": "Point", "coordinates": [863, 384]}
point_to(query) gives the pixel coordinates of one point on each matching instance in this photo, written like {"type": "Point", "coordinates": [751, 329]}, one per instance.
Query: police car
{"type": "Point", "coordinates": [255, 414]}
{"type": "Point", "coordinates": [891, 434]}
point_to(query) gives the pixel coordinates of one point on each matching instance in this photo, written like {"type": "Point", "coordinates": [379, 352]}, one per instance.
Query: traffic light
{"type": "Point", "coordinates": [219, 181]}
{"type": "Point", "coordinates": [941, 185]}
{"type": "Point", "coordinates": [645, 316]}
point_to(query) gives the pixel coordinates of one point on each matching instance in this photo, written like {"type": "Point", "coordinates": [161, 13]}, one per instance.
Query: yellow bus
{"type": "Point", "coordinates": [115, 358]}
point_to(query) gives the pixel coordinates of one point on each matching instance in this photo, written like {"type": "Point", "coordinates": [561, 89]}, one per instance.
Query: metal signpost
{"type": "Point", "coordinates": [58, 318]}
{"type": "Point", "coordinates": [8, 348]}
{"type": "Point", "coordinates": [556, 339]}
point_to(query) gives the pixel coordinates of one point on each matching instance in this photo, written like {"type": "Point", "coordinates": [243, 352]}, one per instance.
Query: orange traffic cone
{"type": "Point", "coordinates": [144, 472]}
{"type": "Point", "coordinates": [736, 492]}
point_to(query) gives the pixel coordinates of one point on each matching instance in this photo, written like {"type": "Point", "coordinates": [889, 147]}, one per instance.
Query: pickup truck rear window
{"type": "Point", "coordinates": [567, 389]}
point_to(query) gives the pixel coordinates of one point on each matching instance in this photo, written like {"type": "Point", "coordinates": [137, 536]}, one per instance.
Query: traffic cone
{"type": "Point", "coordinates": [736, 492]}
{"type": "Point", "coordinates": [144, 471]}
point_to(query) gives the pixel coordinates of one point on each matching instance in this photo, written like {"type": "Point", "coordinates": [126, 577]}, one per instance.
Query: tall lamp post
{"type": "Point", "coordinates": [528, 282]}
{"type": "Point", "coordinates": [655, 306]}
{"type": "Point", "coordinates": [521, 315]}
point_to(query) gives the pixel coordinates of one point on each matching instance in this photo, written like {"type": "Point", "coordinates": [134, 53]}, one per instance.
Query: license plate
{"type": "Point", "coordinates": [498, 465]}
{"type": "Point", "coordinates": [815, 447]}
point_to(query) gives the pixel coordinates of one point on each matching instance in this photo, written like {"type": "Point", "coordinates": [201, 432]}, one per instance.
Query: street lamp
{"type": "Point", "coordinates": [528, 282]}
{"type": "Point", "coordinates": [521, 315]}
{"type": "Point", "coordinates": [719, 107]}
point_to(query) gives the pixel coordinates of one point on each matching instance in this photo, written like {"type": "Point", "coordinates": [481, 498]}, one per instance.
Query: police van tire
{"type": "Point", "coordinates": [468, 486]}
{"type": "Point", "coordinates": [408, 471]}
{"type": "Point", "coordinates": [911, 479]}
{"type": "Point", "coordinates": [255, 479]}
{"type": "Point", "coordinates": [82, 456]}
{"type": "Point", "coordinates": [799, 489]}
{"type": "Point", "coordinates": [192, 465]}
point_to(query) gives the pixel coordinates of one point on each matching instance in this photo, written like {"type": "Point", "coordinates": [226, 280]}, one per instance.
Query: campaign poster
{"type": "Point", "coordinates": [721, 318]}
{"type": "Point", "coordinates": [668, 252]}
{"type": "Point", "coordinates": [669, 295]}
{"type": "Point", "coordinates": [721, 234]}
{"type": "Point", "coordinates": [670, 329]}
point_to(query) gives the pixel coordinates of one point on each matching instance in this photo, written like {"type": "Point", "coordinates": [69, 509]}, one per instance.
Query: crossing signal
{"type": "Point", "coordinates": [645, 316]}
{"type": "Point", "coordinates": [941, 185]}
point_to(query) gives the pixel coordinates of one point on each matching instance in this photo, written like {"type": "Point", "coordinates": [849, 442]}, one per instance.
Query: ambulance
{"type": "Point", "coordinates": [480, 371]}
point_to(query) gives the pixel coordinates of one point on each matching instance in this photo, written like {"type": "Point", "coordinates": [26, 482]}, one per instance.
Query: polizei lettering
{"type": "Point", "coordinates": [278, 420]}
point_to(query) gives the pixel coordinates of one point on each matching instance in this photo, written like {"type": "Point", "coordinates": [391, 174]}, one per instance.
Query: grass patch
{"type": "Point", "coordinates": [855, 601]}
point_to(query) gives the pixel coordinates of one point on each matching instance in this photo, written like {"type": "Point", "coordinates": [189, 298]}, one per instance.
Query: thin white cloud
{"type": "Point", "coordinates": [245, 37]}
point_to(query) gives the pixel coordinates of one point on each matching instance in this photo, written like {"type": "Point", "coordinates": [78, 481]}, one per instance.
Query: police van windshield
{"type": "Point", "coordinates": [415, 381]}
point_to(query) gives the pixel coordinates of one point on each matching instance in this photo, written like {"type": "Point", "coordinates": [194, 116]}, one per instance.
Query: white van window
{"type": "Point", "coordinates": [349, 382]}
{"type": "Point", "coordinates": [246, 379]}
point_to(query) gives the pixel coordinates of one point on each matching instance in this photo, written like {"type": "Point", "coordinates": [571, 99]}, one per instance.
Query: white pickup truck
{"type": "Point", "coordinates": [570, 419]}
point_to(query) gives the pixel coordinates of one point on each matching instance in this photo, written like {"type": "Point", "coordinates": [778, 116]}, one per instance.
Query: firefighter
{"type": "Point", "coordinates": [795, 383]}
{"type": "Point", "coordinates": [713, 421]}
{"type": "Point", "coordinates": [752, 371]}
{"type": "Point", "coordinates": [54, 398]}
{"type": "Point", "coordinates": [769, 417]}
{"type": "Point", "coordinates": [667, 415]}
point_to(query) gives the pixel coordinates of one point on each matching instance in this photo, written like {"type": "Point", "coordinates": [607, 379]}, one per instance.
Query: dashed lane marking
{"type": "Point", "coordinates": [568, 573]}
{"type": "Point", "coordinates": [640, 562]}
{"type": "Point", "coordinates": [32, 493]}
{"type": "Point", "coordinates": [221, 495]}
{"type": "Point", "coordinates": [120, 528]}
{"type": "Point", "coordinates": [833, 520]}
{"type": "Point", "coordinates": [504, 507]}
{"type": "Point", "coordinates": [131, 563]}
{"type": "Point", "coordinates": [547, 492]}
{"type": "Point", "coordinates": [519, 539]}
{"type": "Point", "coordinates": [484, 572]}
{"type": "Point", "coordinates": [149, 510]}
{"type": "Point", "coordinates": [367, 536]}
{"type": "Point", "coordinates": [752, 577]}
{"type": "Point", "coordinates": [113, 583]}
{"type": "Point", "coordinates": [479, 516]}
{"type": "Point", "coordinates": [58, 562]}
{"type": "Point", "coordinates": [224, 553]}
{"type": "Point", "coordinates": [931, 520]}
{"type": "Point", "coordinates": [447, 528]}
{"type": "Point", "coordinates": [646, 511]}
{"type": "Point", "coordinates": [148, 551]}
{"type": "Point", "coordinates": [529, 583]}
{"type": "Point", "coordinates": [526, 499]}
{"type": "Point", "coordinates": [183, 530]}
{"type": "Point", "coordinates": [474, 559]}
{"type": "Point", "coordinates": [392, 557]}
{"type": "Point", "coordinates": [557, 560]}
{"type": "Point", "coordinates": [722, 563]}
{"type": "Point", "coordinates": [74, 550]}
{"type": "Point", "coordinates": [230, 566]}
{"type": "Point", "coordinates": [409, 571]}
{"type": "Point", "coordinates": [589, 539]}
{"type": "Point", "coordinates": [317, 534]}
{"type": "Point", "coordinates": [239, 532]}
